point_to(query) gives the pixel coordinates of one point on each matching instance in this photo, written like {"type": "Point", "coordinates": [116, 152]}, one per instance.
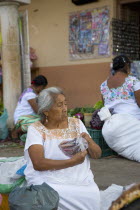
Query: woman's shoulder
{"type": "Point", "coordinates": [103, 83]}
{"type": "Point", "coordinates": [132, 80]}
{"type": "Point", "coordinates": [131, 77]}
{"type": "Point", "coordinates": [37, 127]}
{"type": "Point", "coordinates": [28, 93]}
{"type": "Point", "coordinates": [73, 119]}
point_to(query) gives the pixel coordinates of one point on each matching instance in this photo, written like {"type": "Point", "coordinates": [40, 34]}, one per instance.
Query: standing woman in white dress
{"type": "Point", "coordinates": [121, 91]}
{"type": "Point", "coordinates": [71, 177]}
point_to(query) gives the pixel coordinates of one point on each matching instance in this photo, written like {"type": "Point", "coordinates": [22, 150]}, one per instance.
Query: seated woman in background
{"type": "Point", "coordinates": [121, 92]}
{"type": "Point", "coordinates": [71, 177]}
{"type": "Point", "coordinates": [27, 108]}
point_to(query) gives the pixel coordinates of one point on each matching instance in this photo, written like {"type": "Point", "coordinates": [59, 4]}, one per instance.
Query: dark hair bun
{"type": "Point", "coordinates": [39, 80]}
{"type": "Point", "coordinates": [120, 61]}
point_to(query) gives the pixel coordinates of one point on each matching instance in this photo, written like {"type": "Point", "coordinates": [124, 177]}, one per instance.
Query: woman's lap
{"type": "Point", "coordinates": [24, 122]}
{"type": "Point", "coordinates": [78, 197]}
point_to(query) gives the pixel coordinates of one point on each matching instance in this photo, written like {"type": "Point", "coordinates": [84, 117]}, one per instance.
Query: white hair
{"type": "Point", "coordinates": [46, 99]}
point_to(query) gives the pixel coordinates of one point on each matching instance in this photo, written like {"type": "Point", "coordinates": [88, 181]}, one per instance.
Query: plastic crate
{"type": "Point", "coordinates": [96, 135]}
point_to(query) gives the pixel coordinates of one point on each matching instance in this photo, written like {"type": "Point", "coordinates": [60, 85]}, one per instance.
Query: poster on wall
{"type": "Point", "coordinates": [89, 34]}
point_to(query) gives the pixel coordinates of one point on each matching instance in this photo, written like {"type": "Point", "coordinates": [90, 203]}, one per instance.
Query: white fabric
{"type": "Point", "coordinates": [86, 197]}
{"type": "Point", "coordinates": [122, 99]}
{"type": "Point", "coordinates": [104, 114]}
{"type": "Point", "coordinates": [109, 195]}
{"type": "Point", "coordinates": [23, 107]}
{"type": "Point", "coordinates": [75, 185]}
{"type": "Point", "coordinates": [137, 86]}
{"type": "Point", "coordinates": [8, 169]}
{"type": "Point", "coordinates": [125, 107]}
{"type": "Point", "coordinates": [122, 134]}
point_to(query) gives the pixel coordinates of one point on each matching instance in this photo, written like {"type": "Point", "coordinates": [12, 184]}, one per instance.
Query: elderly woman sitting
{"type": "Point", "coordinates": [71, 177]}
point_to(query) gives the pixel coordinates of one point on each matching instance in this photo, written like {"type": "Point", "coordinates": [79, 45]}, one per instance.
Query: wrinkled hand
{"type": "Point", "coordinates": [79, 157]}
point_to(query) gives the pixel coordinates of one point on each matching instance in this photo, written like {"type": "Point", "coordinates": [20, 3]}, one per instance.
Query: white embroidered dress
{"type": "Point", "coordinates": [122, 99]}
{"type": "Point", "coordinates": [75, 185]}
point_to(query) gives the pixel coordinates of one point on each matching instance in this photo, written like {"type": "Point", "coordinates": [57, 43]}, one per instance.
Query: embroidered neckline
{"type": "Point", "coordinates": [126, 78]}
{"type": "Point", "coordinates": [72, 130]}
{"type": "Point", "coordinates": [55, 128]}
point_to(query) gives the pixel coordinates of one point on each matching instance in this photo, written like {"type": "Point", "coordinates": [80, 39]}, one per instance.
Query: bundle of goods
{"type": "Point", "coordinates": [70, 148]}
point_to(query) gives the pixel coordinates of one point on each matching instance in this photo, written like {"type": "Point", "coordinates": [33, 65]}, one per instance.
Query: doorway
{"type": "Point", "coordinates": [126, 32]}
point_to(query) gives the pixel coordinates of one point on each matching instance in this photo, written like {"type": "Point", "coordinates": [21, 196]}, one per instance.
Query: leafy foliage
{"type": "Point", "coordinates": [72, 112]}
{"type": "Point", "coordinates": [98, 105]}
{"type": "Point", "coordinates": [87, 109]}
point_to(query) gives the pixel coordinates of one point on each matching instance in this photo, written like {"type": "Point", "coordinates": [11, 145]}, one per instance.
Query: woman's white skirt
{"type": "Point", "coordinates": [78, 197]}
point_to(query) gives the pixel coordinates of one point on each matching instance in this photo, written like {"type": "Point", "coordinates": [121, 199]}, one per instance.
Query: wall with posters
{"type": "Point", "coordinates": [49, 30]}
{"type": "Point", "coordinates": [49, 35]}
{"type": "Point", "coordinates": [89, 34]}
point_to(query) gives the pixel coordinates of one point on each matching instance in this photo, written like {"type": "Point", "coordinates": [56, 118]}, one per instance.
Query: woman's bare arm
{"type": "Point", "coordinates": [137, 97]}
{"type": "Point", "coordinates": [93, 148]}
{"type": "Point", "coordinates": [33, 104]}
{"type": "Point", "coordinates": [40, 163]}
{"type": "Point", "coordinates": [102, 99]}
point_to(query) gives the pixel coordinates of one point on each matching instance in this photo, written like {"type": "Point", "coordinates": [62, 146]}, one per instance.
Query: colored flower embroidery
{"type": "Point", "coordinates": [125, 91]}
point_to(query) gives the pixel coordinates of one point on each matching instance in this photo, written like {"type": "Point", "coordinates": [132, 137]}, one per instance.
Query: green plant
{"type": "Point", "coordinates": [72, 112]}
{"type": "Point", "coordinates": [87, 109]}
{"type": "Point", "coordinates": [98, 105]}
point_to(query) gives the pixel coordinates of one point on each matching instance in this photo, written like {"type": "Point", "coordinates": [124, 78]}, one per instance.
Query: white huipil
{"type": "Point", "coordinates": [122, 99]}
{"type": "Point", "coordinates": [23, 107]}
{"type": "Point", "coordinates": [75, 185]}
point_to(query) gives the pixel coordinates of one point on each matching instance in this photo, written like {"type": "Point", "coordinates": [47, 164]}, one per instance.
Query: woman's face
{"type": "Point", "coordinates": [58, 112]}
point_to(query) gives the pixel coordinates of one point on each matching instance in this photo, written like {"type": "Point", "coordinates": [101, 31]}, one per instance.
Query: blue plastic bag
{"type": "Point", "coordinates": [21, 170]}
{"type": "Point", "coordinates": [3, 125]}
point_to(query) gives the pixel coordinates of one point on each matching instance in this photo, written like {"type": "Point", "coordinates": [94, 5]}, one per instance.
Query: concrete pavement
{"type": "Point", "coordinates": [107, 171]}
{"type": "Point", "coordinates": [116, 170]}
